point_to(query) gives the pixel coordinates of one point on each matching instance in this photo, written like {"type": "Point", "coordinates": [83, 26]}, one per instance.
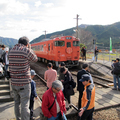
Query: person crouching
{"type": "Point", "coordinates": [53, 105]}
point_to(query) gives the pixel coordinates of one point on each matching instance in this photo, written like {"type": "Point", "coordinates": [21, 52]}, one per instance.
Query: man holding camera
{"type": "Point", "coordinates": [19, 57]}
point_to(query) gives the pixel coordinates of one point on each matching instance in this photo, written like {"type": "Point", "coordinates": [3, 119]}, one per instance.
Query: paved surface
{"type": "Point", "coordinates": [104, 98]}
{"type": "Point", "coordinates": [7, 111]}
{"type": "Point", "coordinates": [100, 67]}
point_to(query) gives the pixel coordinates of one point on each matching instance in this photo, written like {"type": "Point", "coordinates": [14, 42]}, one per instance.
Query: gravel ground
{"type": "Point", "coordinates": [107, 114]}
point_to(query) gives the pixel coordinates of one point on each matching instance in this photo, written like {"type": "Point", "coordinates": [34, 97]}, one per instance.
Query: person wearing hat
{"type": "Point", "coordinates": [6, 62]}
{"type": "Point", "coordinates": [61, 75]}
{"type": "Point", "coordinates": [67, 82]}
{"type": "Point", "coordinates": [88, 98]}
{"type": "Point", "coordinates": [80, 86]}
{"type": "Point", "coordinates": [33, 94]}
{"type": "Point", "coordinates": [116, 74]}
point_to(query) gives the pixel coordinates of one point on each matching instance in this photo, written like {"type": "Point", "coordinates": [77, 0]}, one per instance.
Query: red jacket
{"type": "Point", "coordinates": [47, 101]}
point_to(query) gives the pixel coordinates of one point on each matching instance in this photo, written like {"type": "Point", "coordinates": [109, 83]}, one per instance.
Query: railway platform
{"type": "Point", "coordinates": [100, 67]}
{"type": "Point", "coordinates": [104, 98]}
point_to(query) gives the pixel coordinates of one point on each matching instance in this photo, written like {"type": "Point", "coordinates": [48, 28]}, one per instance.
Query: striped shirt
{"type": "Point", "coordinates": [19, 64]}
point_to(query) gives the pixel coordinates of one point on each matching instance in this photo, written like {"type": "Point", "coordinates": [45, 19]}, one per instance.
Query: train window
{"type": "Point", "coordinates": [68, 38]}
{"type": "Point", "coordinates": [35, 47]}
{"type": "Point", "coordinates": [68, 44]}
{"type": "Point", "coordinates": [59, 43]}
{"type": "Point", "coordinates": [42, 47]}
{"type": "Point", "coordinates": [39, 48]}
{"type": "Point", "coordinates": [48, 47]}
{"type": "Point", "coordinates": [76, 43]}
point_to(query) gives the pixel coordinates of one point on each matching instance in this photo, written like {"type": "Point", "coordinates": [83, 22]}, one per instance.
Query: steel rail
{"type": "Point", "coordinates": [104, 85]}
{"type": "Point", "coordinates": [40, 100]}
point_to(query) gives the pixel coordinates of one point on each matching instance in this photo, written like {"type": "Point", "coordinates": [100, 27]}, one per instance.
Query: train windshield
{"type": "Point", "coordinates": [59, 43]}
{"type": "Point", "coordinates": [76, 43]}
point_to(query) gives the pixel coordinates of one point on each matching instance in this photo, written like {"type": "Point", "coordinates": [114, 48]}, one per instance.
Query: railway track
{"type": "Point", "coordinates": [40, 95]}
{"type": "Point", "coordinates": [99, 80]}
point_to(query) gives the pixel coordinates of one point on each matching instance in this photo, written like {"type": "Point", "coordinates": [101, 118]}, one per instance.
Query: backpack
{"type": "Point", "coordinates": [116, 69]}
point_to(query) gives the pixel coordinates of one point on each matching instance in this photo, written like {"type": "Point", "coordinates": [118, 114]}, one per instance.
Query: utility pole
{"type": "Point", "coordinates": [77, 18]}
{"type": "Point", "coordinates": [45, 33]}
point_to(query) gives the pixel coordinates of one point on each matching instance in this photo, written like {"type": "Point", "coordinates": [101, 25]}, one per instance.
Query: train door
{"type": "Point", "coordinates": [69, 50]}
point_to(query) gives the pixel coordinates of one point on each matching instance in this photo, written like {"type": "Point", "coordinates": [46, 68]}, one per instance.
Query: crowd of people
{"type": "Point", "coordinates": [56, 100]}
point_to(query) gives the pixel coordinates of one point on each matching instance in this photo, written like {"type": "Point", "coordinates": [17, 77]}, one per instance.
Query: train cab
{"type": "Point", "coordinates": [67, 49]}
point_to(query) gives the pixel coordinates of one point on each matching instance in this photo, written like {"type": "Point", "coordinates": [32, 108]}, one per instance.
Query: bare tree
{"type": "Point", "coordinates": [85, 38]}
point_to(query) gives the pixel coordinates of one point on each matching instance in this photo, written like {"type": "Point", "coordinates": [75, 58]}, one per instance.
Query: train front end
{"type": "Point", "coordinates": [67, 50]}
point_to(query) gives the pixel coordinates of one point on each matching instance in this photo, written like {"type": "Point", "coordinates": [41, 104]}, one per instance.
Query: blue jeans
{"type": "Point", "coordinates": [55, 118]}
{"type": "Point", "coordinates": [6, 69]}
{"type": "Point", "coordinates": [22, 98]}
{"type": "Point", "coordinates": [116, 77]}
{"type": "Point", "coordinates": [96, 57]}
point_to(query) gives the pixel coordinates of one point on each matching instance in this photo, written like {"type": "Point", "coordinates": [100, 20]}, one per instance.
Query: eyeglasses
{"type": "Point", "coordinates": [57, 89]}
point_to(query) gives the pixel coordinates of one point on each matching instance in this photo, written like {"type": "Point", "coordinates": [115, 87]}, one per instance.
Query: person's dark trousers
{"type": "Point", "coordinates": [87, 115]}
{"type": "Point", "coordinates": [68, 98]}
{"type": "Point", "coordinates": [31, 108]}
{"type": "Point", "coordinates": [79, 100]}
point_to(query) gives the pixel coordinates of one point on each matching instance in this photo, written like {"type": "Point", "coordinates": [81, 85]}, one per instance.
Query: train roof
{"type": "Point", "coordinates": [56, 38]}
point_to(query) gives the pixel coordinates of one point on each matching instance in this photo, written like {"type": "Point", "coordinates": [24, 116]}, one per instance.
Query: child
{"type": "Point", "coordinates": [33, 94]}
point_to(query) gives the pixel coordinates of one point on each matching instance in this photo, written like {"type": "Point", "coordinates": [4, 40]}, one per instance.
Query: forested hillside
{"type": "Point", "coordinates": [87, 33]}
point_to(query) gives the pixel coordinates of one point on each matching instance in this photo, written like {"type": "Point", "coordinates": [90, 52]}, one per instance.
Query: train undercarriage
{"type": "Point", "coordinates": [68, 63]}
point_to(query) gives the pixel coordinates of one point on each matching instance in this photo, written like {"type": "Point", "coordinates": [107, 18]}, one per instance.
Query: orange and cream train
{"type": "Point", "coordinates": [60, 49]}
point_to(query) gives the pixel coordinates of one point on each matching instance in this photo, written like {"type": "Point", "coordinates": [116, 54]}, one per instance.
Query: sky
{"type": "Point", "coordinates": [32, 17]}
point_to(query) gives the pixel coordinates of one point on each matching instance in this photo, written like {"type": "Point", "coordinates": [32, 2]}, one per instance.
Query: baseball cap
{"type": "Point", "coordinates": [33, 72]}
{"type": "Point", "coordinates": [3, 46]}
{"type": "Point", "coordinates": [85, 77]}
{"type": "Point", "coordinates": [62, 64]}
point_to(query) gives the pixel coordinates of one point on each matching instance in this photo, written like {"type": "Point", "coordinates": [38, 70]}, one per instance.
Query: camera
{"type": "Point", "coordinates": [114, 60]}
